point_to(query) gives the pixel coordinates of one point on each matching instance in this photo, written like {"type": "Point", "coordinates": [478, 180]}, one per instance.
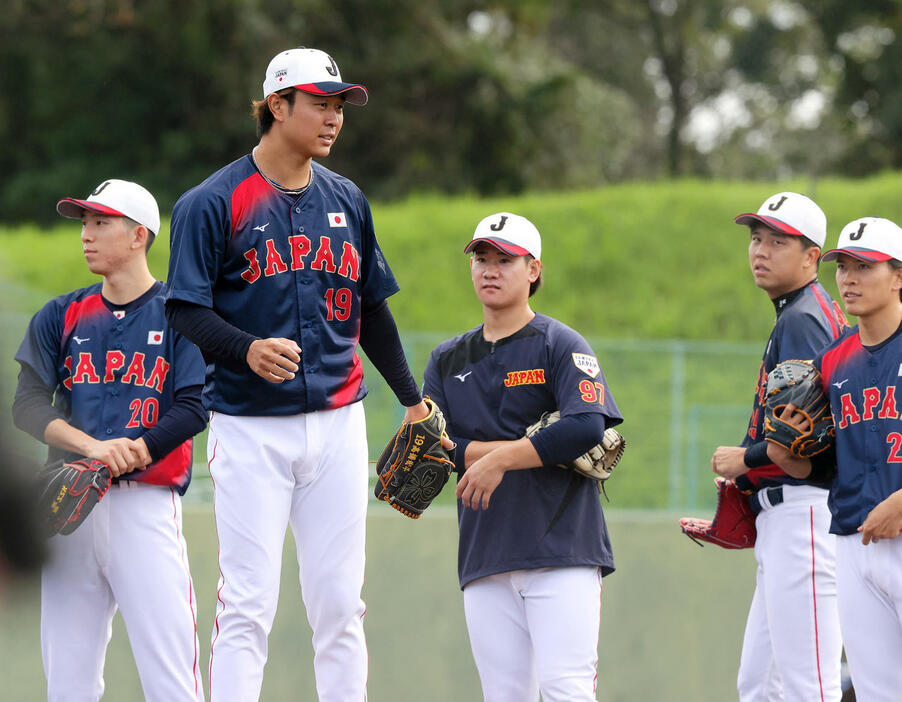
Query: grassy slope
{"type": "Point", "coordinates": [658, 260]}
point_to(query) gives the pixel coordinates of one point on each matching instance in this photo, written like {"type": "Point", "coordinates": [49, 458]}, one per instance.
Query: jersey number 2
{"type": "Point", "coordinates": [143, 413]}
{"type": "Point", "coordinates": [894, 438]}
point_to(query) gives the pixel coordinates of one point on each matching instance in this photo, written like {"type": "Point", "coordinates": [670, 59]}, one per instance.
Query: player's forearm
{"type": "Point", "coordinates": [33, 406]}
{"type": "Point", "coordinates": [381, 342]}
{"type": "Point", "coordinates": [507, 455]}
{"type": "Point", "coordinates": [60, 434]}
{"type": "Point", "coordinates": [210, 332]}
{"type": "Point", "coordinates": [185, 418]}
{"type": "Point", "coordinates": [796, 467]}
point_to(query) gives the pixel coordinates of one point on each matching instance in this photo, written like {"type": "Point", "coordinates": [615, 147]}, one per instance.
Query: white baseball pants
{"type": "Point", "coordinates": [309, 471]}
{"type": "Point", "coordinates": [129, 553]}
{"type": "Point", "coordinates": [869, 583]}
{"type": "Point", "coordinates": [535, 631]}
{"type": "Point", "coordinates": [792, 647]}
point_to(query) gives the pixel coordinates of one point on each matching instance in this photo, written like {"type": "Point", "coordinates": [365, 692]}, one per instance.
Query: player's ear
{"type": "Point", "coordinates": [535, 269]}
{"type": "Point", "coordinates": [139, 236]}
{"type": "Point", "coordinates": [277, 106]}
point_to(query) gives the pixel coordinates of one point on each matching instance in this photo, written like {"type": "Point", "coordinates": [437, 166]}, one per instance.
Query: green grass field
{"type": "Point", "coordinates": [671, 624]}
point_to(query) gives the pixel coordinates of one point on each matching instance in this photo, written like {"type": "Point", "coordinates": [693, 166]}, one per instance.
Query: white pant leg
{"type": "Point", "coordinates": [758, 679]}
{"type": "Point", "coordinates": [151, 581]}
{"type": "Point", "coordinates": [499, 638]}
{"type": "Point", "coordinates": [252, 486]}
{"type": "Point", "coordinates": [870, 606]}
{"type": "Point", "coordinates": [77, 609]}
{"type": "Point", "coordinates": [328, 518]}
{"type": "Point", "coordinates": [797, 588]}
{"type": "Point", "coordinates": [563, 611]}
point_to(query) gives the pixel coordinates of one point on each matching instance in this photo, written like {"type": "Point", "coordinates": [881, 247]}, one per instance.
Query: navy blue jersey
{"type": "Point", "coordinates": [488, 391]}
{"type": "Point", "coordinates": [865, 390]}
{"type": "Point", "coordinates": [280, 265]}
{"type": "Point", "coordinates": [114, 372]}
{"type": "Point", "coordinates": [807, 320]}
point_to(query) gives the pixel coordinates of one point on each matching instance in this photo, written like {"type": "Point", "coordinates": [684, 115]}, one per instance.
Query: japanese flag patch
{"type": "Point", "coordinates": [337, 219]}
{"type": "Point", "coordinates": [587, 364]}
{"type": "Point", "coordinates": [155, 338]}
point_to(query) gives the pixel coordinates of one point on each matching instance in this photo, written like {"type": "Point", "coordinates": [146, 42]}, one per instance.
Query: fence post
{"type": "Point", "coordinates": [677, 395]}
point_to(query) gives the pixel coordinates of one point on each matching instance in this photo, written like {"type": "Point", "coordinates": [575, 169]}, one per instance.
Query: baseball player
{"type": "Point", "coordinates": [127, 392]}
{"type": "Point", "coordinates": [862, 376]}
{"type": "Point", "coordinates": [275, 272]}
{"type": "Point", "coordinates": [792, 647]}
{"type": "Point", "coordinates": [533, 540]}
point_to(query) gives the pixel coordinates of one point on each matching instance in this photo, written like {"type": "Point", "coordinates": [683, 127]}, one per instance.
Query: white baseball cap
{"type": "Point", "coordinates": [312, 71]}
{"type": "Point", "coordinates": [118, 198]}
{"type": "Point", "coordinates": [790, 213]}
{"type": "Point", "coordinates": [510, 233]}
{"type": "Point", "coordinates": [868, 239]}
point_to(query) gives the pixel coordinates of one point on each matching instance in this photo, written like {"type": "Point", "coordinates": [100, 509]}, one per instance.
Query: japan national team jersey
{"type": "Point", "coordinates": [542, 517]}
{"type": "Point", "coordinates": [280, 265]}
{"type": "Point", "coordinates": [807, 320]}
{"type": "Point", "coordinates": [115, 371]}
{"type": "Point", "coordinates": [865, 390]}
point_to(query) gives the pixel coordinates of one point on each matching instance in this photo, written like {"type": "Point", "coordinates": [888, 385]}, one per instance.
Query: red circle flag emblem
{"type": "Point", "coordinates": [337, 219]}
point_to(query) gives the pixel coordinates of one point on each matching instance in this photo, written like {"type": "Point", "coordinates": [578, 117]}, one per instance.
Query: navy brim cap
{"type": "Point", "coordinates": [72, 208]}
{"type": "Point", "coordinates": [751, 218]}
{"type": "Point", "coordinates": [859, 253]}
{"type": "Point", "coordinates": [500, 244]}
{"type": "Point", "coordinates": [354, 93]}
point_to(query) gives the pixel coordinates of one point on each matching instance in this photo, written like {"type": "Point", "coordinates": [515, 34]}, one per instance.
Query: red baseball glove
{"type": "Point", "coordinates": [733, 525]}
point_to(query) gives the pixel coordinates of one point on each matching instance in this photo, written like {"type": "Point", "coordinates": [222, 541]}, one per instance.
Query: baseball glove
{"type": "Point", "coordinates": [599, 461]}
{"type": "Point", "coordinates": [69, 492]}
{"type": "Point", "coordinates": [414, 467]}
{"type": "Point", "coordinates": [799, 383]}
{"type": "Point", "coordinates": [733, 525]}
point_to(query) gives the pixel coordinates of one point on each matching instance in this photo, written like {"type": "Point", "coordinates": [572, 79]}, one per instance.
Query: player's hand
{"type": "Point", "coordinates": [479, 481]}
{"type": "Point", "coordinates": [141, 454]}
{"type": "Point", "coordinates": [420, 411]}
{"type": "Point", "coordinates": [884, 521]}
{"type": "Point", "coordinates": [729, 462]}
{"type": "Point", "coordinates": [274, 359]}
{"type": "Point", "coordinates": [118, 454]}
{"type": "Point", "coordinates": [798, 420]}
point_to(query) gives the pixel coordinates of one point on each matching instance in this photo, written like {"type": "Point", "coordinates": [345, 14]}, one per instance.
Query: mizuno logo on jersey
{"type": "Point", "coordinates": [536, 376]}
{"type": "Point", "coordinates": [269, 261]}
{"type": "Point", "coordinates": [79, 340]}
{"type": "Point", "coordinates": [136, 371]}
{"type": "Point", "coordinates": [462, 376]}
{"type": "Point", "coordinates": [875, 403]}
{"type": "Point", "coordinates": [337, 219]}
{"type": "Point", "coordinates": [839, 385]}
{"type": "Point", "coordinates": [261, 227]}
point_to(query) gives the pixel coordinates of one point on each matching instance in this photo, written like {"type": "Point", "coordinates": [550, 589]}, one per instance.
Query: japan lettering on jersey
{"type": "Point", "coordinates": [115, 372]}
{"type": "Point", "coordinates": [807, 320]}
{"type": "Point", "coordinates": [280, 265]}
{"type": "Point", "coordinates": [865, 390]}
{"type": "Point", "coordinates": [492, 392]}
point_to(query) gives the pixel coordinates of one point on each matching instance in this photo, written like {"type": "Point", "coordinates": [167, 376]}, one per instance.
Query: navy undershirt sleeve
{"type": "Point", "coordinates": [33, 406]}
{"type": "Point", "coordinates": [756, 455]}
{"type": "Point", "coordinates": [215, 337]}
{"type": "Point", "coordinates": [381, 342]}
{"type": "Point", "coordinates": [185, 418]}
{"type": "Point", "coordinates": [568, 438]}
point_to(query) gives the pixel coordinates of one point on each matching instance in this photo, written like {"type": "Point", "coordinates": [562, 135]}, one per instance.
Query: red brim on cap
{"type": "Point", "coordinates": [72, 208]}
{"type": "Point", "coordinates": [354, 93]}
{"type": "Point", "coordinates": [500, 244]}
{"type": "Point", "coordinates": [856, 252]}
{"type": "Point", "coordinates": [751, 217]}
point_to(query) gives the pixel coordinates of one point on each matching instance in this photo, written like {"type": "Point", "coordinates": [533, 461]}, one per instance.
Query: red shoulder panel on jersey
{"type": "Point", "coordinates": [86, 308]}
{"type": "Point", "coordinates": [835, 357]}
{"type": "Point", "coordinates": [836, 324]}
{"type": "Point", "coordinates": [247, 197]}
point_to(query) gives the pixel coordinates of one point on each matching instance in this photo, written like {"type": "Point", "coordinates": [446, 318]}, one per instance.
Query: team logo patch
{"type": "Point", "coordinates": [119, 314]}
{"type": "Point", "coordinates": [536, 376]}
{"type": "Point", "coordinates": [337, 219]}
{"type": "Point", "coordinates": [155, 338]}
{"type": "Point", "coordinates": [587, 364]}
